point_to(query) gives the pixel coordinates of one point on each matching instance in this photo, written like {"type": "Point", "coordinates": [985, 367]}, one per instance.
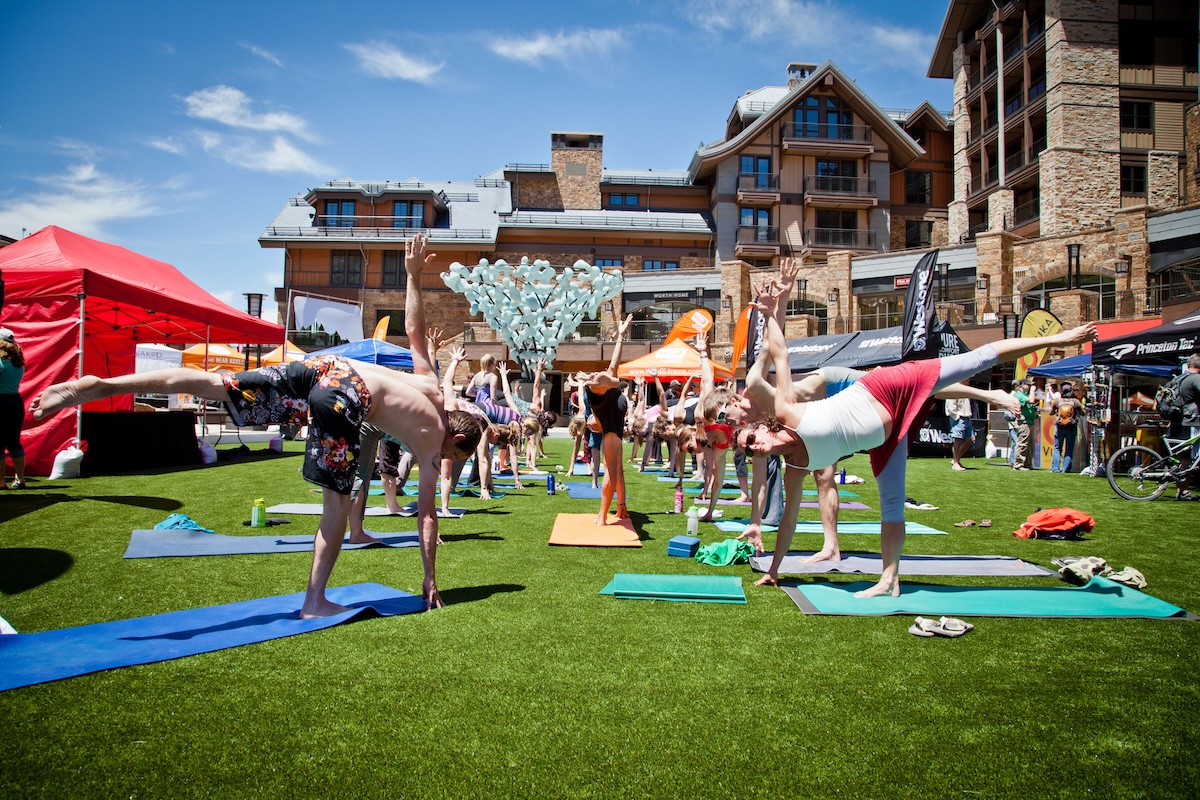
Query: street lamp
{"type": "Point", "coordinates": [943, 270]}
{"type": "Point", "coordinates": [982, 283]}
{"type": "Point", "coordinates": [1074, 270]}
{"type": "Point", "coordinates": [254, 302]}
{"type": "Point", "coordinates": [802, 284]}
{"type": "Point", "coordinates": [726, 302]}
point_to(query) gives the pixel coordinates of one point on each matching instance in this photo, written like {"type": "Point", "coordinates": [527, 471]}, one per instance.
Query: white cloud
{"type": "Point", "coordinates": [903, 47]}
{"type": "Point", "coordinates": [82, 199]}
{"type": "Point", "coordinates": [167, 145]}
{"type": "Point", "coordinates": [561, 47]}
{"type": "Point", "coordinates": [277, 156]}
{"type": "Point", "coordinates": [230, 106]}
{"type": "Point", "coordinates": [265, 55]}
{"type": "Point", "coordinates": [384, 61]}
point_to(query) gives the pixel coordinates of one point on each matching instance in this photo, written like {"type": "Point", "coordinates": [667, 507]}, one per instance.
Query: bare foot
{"type": "Point", "coordinates": [320, 608]}
{"type": "Point", "coordinates": [602, 520]}
{"type": "Point", "coordinates": [881, 589]}
{"type": "Point", "coordinates": [767, 580]}
{"type": "Point", "coordinates": [742, 498]}
{"type": "Point", "coordinates": [362, 538]}
{"type": "Point", "coordinates": [62, 395]}
{"type": "Point", "coordinates": [827, 554]}
{"type": "Point", "coordinates": [958, 468]}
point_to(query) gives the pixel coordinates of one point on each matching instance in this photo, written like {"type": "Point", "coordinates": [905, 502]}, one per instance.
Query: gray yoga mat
{"type": "Point", "coordinates": [814, 526]}
{"type": "Point", "coordinates": [316, 508]}
{"type": "Point", "coordinates": [871, 564]}
{"type": "Point", "coordinates": [161, 543]}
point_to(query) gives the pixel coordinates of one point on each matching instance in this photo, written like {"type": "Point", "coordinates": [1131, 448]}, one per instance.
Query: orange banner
{"type": "Point", "coordinates": [693, 322]}
{"type": "Point", "coordinates": [741, 333]}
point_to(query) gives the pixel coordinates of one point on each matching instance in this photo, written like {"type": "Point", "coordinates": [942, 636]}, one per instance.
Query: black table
{"type": "Point", "coordinates": [129, 441]}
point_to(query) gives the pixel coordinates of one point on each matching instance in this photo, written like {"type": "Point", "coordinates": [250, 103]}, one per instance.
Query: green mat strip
{"type": "Point", "coordinates": [678, 588]}
{"type": "Point", "coordinates": [1099, 599]}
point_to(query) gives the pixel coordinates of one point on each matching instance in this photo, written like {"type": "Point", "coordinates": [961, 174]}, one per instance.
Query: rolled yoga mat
{"type": "Point", "coordinates": [872, 564]}
{"type": "Point", "coordinates": [162, 543]}
{"type": "Point", "coordinates": [29, 658]}
{"type": "Point", "coordinates": [847, 528]}
{"type": "Point", "coordinates": [1099, 599]}
{"type": "Point", "coordinates": [678, 588]}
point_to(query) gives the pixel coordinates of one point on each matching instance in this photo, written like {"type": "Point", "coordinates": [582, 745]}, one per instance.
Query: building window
{"type": "Point", "coordinates": [840, 169]}
{"type": "Point", "coordinates": [338, 214]}
{"type": "Point", "coordinates": [395, 324]}
{"type": "Point", "coordinates": [822, 118]}
{"type": "Point", "coordinates": [918, 188]}
{"type": "Point", "coordinates": [609, 262]}
{"type": "Point", "coordinates": [394, 276]}
{"type": "Point", "coordinates": [623, 200]}
{"type": "Point", "coordinates": [650, 265]}
{"type": "Point", "coordinates": [1133, 179]}
{"type": "Point", "coordinates": [408, 214]}
{"type": "Point", "coordinates": [829, 218]}
{"type": "Point", "coordinates": [345, 268]}
{"type": "Point", "coordinates": [918, 233]}
{"type": "Point", "coordinates": [1137, 115]}
{"type": "Point", "coordinates": [757, 172]}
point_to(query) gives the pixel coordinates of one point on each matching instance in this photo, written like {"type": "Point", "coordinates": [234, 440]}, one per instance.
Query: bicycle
{"type": "Point", "coordinates": [1138, 473]}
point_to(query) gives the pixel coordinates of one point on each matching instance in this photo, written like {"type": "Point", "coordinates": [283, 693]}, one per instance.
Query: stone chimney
{"type": "Point", "coordinates": [798, 71]}
{"type": "Point", "coordinates": [578, 160]}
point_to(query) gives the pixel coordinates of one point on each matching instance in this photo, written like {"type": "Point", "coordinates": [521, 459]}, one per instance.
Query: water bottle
{"type": "Point", "coordinates": [550, 484]}
{"type": "Point", "coordinates": [842, 477]}
{"type": "Point", "coordinates": [678, 500]}
{"type": "Point", "coordinates": [258, 514]}
{"type": "Point", "coordinates": [693, 523]}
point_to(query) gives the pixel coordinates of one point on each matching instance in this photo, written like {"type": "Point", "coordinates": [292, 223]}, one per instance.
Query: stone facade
{"type": "Point", "coordinates": [578, 172]}
{"type": "Point", "coordinates": [537, 191]}
{"type": "Point", "coordinates": [1192, 154]}
{"type": "Point", "coordinates": [1162, 179]}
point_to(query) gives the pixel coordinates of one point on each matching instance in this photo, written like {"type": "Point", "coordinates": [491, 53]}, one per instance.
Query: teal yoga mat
{"type": "Point", "coordinates": [847, 528]}
{"type": "Point", "coordinates": [1099, 599]}
{"type": "Point", "coordinates": [677, 588]}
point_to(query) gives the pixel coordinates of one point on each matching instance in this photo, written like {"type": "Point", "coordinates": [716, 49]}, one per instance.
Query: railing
{"type": "Point", "coordinates": [1176, 283]}
{"type": "Point", "coordinates": [757, 234]}
{"type": "Point", "coordinates": [395, 234]}
{"type": "Point", "coordinates": [1037, 89]}
{"type": "Point", "coordinates": [345, 221]}
{"type": "Point", "coordinates": [1012, 47]}
{"type": "Point", "coordinates": [1014, 162]}
{"type": "Point", "coordinates": [1026, 213]}
{"type": "Point", "coordinates": [644, 180]}
{"type": "Point", "coordinates": [639, 221]}
{"type": "Point", "coordinates": [461, 197]}
{"type": "Point", "coordinates": [641, 330]}
{"type": "Point", "coordinates": [973, 231]}
{"type": "Point", "coordinates": [1014, 105]}
{"type": "Point", "coordinates": [839, 237]}
{"type": "Point", "coordinates": [976, 130]}
{"type": "Point", "coordinates": [833, 132]}
{"type": "Point", "coordinates": [837, 184]}
{"type": "Point", "coordinates": [527, 168]}
{"type": "Point", "coordinates": [985, 181]}
{"type": "Point", "coordinates": [758, 181]}
{"type": "Point", "coordinates": [1039, 144]}
{"type": "Point", "coordinates": [491, 183]}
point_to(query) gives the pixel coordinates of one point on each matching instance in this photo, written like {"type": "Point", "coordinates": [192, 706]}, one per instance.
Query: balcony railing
{"type": "Point", "coordinates": [343, 221]}
{"type": "Point", "coordinates": [639, 221]}
{"type": "Point", "coordinates": [986, 180]}
{"type": "Point", "coordinates": [641, 330]}
{"type": "Point", "coordinates": [828, 132]}
{"type": "Point", "coordinates": [838, 184]}
{"type": "Point", "coordinates": [758, 182]}
{"type": "Point", "coordinates": [1037, 88]}
{"type": "Point", "coordinates": [1026, 213]}
{"type": "Point", "coordinates": [1014, 105]}
{"type": "Point", "coordinates": [973, 231]}
{"type": "Point", "coordinates": [1014, 162]}
{"type": "Point", "coordinates": [839, 237]}
{"type": "Point", "coordinates": [644, 180]}
{"type": "Point", "coordinates": [395, 234]}
{"type": "Point", "coordinates": [757, 234]}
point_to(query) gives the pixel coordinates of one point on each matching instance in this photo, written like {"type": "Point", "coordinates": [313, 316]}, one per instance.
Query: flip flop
{"type": "Point", "coordinates": [922, 627]}
{"type": "Point", "coordinates": [952, 628]}
{"type": "Point", "coordinates": [966, 523]}
{"type": "Point", "coordinates": [987, 523]}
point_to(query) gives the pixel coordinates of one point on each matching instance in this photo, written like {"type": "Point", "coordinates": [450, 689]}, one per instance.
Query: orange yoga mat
{"type": "Point", "coordinates": [581, 530]}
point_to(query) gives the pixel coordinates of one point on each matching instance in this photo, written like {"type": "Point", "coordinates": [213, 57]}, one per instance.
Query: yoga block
{"type": "Point", "coordinates": [683, 546]}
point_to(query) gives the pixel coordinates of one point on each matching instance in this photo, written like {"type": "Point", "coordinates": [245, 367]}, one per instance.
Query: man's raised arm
{"type": "Point", "coordinates": [416, 260]}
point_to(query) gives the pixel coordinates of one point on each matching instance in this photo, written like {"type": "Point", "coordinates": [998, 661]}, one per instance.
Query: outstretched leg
{"type": "Point", "coordinates": [89, 387]}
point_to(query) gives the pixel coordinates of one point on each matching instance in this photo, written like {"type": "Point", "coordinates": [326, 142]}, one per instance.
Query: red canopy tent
{"type": "Point", "coordinates": [79, 307]}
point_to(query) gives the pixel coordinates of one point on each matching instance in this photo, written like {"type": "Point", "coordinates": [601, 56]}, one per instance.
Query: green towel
{"type": "Point", "coordinates": [722, 554]}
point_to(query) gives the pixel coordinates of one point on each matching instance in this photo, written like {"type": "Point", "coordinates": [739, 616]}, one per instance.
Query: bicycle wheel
{"type": "Point", "coordinates": [1139, 473]}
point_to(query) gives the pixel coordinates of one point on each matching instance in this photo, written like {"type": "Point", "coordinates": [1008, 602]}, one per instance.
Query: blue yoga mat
{"type": "Point", "coordinates": [583, 491]}
{"type": "Point", "coordinates": [157, 544]}
{"type": "Point", "coordinates": [678, 588]}
{"type": "Point", "coordinates": [848, 528]}
{"type": "Point", "coordinates": [585, 470]}
{"type": "Point", "coordinates": [29, 658]}
{"type": "Point", "coordinates": [1100, 598]}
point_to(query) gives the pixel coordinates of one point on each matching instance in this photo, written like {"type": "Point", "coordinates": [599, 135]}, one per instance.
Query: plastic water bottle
{"type": "Point", "coordinates": [842, 477]}
{"type": "Point", "coordinates": [550, 484]}
{"type": "Point", "coordinates": [678, 500]}
{"type": "Point", "coordinates": [258, 514]}
{"type": "Point", "coordinates": [693, 523]}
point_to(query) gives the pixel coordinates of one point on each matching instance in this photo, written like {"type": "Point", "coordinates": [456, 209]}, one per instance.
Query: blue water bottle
{"type": "Point", "coordinates": [842, 477]}
{"type": "Point", "coordinates": [550, 484]}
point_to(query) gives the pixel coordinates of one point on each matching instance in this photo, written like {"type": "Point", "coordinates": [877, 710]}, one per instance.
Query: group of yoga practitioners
{"type": "Point", "coordinates": [810, 423]}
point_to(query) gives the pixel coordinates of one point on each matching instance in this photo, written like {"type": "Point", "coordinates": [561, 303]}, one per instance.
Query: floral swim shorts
{"type": "Point", "coordinates": [326, 387]}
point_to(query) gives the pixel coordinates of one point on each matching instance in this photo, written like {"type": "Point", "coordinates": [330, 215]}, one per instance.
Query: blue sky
{"type": "Point", "coordinates": [179, 130]}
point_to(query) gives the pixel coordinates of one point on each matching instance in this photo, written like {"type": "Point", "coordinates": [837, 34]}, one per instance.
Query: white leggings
{"type": "Point", "coordinates": [951, 370]}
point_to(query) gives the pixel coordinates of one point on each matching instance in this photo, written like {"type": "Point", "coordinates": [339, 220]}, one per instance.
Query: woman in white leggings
{"type": "Point", "coordinates": [875, 415]}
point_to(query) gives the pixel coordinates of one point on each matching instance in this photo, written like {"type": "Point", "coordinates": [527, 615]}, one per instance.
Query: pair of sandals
{"type": "Point", "coordinates": [21, 485]}
{"type": "Point", "coordinates": [1185, 495]}
{"type": "Point", "coordinates": [970, 523]}
{"type": "Point", "coordinates": [949, 627]}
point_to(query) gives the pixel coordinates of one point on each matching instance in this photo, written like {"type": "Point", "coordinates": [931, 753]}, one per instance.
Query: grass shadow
{"type": "Point", "coordinates": [639, 520]}
{"type": "Point", "coordinates": [462, 537]}
{"type": "Point", "coordinates": [23, 568]}
{"type": "Point", "coordinates": [468, 594]}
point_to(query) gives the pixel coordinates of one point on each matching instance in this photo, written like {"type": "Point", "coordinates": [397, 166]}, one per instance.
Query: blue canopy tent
{"type": "Point", "coordinates": [373, 351]}
{"type": "Point", "coordinates": [1076, 366]}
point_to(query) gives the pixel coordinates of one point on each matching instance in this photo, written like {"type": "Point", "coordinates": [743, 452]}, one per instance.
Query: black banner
{"type": "Point", "coordinates": [918, 322]}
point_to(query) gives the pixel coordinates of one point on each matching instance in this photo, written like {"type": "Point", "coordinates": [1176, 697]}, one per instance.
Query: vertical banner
{"type": "Point", "coordinates": [698, 320]}
{"type": "Point", "coordinates": [1037, 323]}
{"type": "Point", "coordinates": [919, 341]}
{"type": "Point", "coordinates": [1046, 445]}
{"type": "Point", "coordinates": [381, 329]}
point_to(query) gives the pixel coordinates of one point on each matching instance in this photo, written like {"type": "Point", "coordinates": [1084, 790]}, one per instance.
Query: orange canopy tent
{"type": "Point", "coordinates": [673, 360]}
{"type": "Point", "coordinates": [283, 354]}
{"type": "Point", "coordinates": [214, 357]}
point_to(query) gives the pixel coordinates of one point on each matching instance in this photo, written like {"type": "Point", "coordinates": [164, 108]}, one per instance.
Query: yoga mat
{"type": "Point", "coordinates": [585, 470]}
{"type": "Point", "coordinates": [1099, 599]}
{"type": "Point", "coordinates": [581, 530]}
{"type": "Point", "coordinates": [731, 491]}
{"type": "Point", "coordinates": [852, 505]}
{"type": "Point", "coordinates": [678, 588]}
{"type": "Point", "coordinates": [316, 508]}
{"type": "Point", "coordinates": [848, 528]}
{"type": "Point", "coordinates": [29, 658]}
{"type": "Point", "coordinates": [872, 563]}
{"type": "Point", "coordinates": [160, 543]}
{"type": "Point", "coordinates": [665, 479]}
{"type": "Point", "coordinates": [526, 477]}
{"type": "Point", "coordinates": [583, 491]}
{"type": "Point", "coordinates": [468, 492]}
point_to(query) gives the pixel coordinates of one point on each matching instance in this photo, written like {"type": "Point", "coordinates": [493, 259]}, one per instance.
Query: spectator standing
{"type": "Point", "coordinates": [1066, 411]}
{"type": "Point", "coordinates": [12, 410]}
{"type": "Point", "coordinates": [1023, 459]}
{"type": "Point", "coordinates": [962, 433]}
{"type": "Point", "coordinates": [1189, 390]}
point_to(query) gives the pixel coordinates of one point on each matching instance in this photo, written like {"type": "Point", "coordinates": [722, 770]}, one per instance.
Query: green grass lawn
{"type": "Point", "coordinates": [530, 684]}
